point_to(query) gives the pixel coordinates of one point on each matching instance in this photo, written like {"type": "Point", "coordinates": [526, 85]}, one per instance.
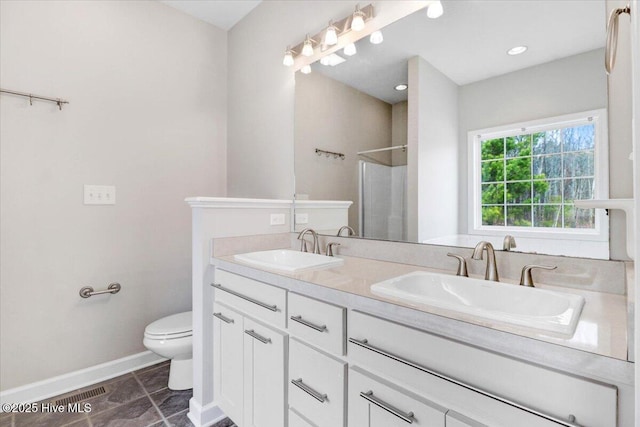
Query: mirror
{"type": "Point", "coordinates": [403, 157]}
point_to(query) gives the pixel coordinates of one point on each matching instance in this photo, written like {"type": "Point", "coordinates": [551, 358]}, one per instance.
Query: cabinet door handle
{"type": "Point", "coordinates": [407, 417]}
{"type": "Point", "coordinates": [300, 320]}
{"type": "Point", "coordinates": [222, 317]}
{"type": "Point", "coordinates": [244, 297]}
{"type": "Point", "coordinates": [257, 336]}
{"type": "Point", "coordinates": [320, 397]}
{"type": "Point", "coordinates": [570, 422]}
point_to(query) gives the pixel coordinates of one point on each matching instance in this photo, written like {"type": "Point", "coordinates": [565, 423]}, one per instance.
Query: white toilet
{"type": "Point", "coordinates": [170, 337]}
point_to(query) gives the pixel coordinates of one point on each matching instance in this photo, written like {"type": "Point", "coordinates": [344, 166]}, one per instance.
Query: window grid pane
{"type": "Point", "coordinates": [531, 179]}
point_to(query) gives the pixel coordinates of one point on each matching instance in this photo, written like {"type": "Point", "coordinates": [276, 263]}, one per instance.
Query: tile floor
{"type": "Point", "coordinates": [137, 399]}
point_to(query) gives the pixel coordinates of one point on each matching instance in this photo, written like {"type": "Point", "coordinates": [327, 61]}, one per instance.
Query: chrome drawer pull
{"type": "Point", "coordinates": [259, 337]}
{"type": "Point", "coordinates": [239, 295]}
{"type": "Point", "coordinates": [407, 417]}
{"type": "Point", "coordinates": [222, 317]}
{"type": "Point", "coordinates": [300, 320]}
{"type": "Point", "coordinates": [320, 397]}
{"type": "Point", "coordinates": [365, 344]}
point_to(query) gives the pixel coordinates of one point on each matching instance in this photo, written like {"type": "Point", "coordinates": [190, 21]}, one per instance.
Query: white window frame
{"type": "Point", "coordinates": [601, 166]}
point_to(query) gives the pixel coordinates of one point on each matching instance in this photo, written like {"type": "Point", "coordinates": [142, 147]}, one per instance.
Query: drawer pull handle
{"type": "Point", "coordinates": [222, 317]}
{"type": "Point", "coordinates": [320, 397]}
{"type": "Point", "coordinates": [257, 336]}
{"type": "Point", "coordinates": [300, 320]}
{"type": "Point", "coordinates": [365, 344]}
{"type": "Point", "coordinates": [244, 297]}
{"type": "Point", "coordinates": [407, 417]}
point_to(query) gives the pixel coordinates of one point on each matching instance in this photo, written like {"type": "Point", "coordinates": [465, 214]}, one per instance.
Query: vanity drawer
{"type": "Point", "coordinates": [316, 385]}
{"type": "Point", "coordinates": [264, 302]}
{"type": "Point", "coordinates": [376, 402]}
{"type": "Point", "coordinates": [412, 357]}
{"type": "Point", "coordinates": [317, 323]}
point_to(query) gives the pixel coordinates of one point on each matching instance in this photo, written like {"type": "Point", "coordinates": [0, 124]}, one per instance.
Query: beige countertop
{"type": "Point", "coordinates": [602, 327]}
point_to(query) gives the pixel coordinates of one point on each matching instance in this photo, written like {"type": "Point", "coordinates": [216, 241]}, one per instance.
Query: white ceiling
{"type": "Point", "coordinates": [221, 13]}
{"type": "Point", "coordinates": [469, 42]}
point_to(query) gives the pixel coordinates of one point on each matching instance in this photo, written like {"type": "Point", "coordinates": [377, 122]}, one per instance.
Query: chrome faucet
{"type": "Point", "coordinates": [350, 231]}
{"type": "Point", "coordinates": [492, 268]}
{"type": "Point", "coordinates": [303, 245]}
{"type": "Point", "coordinates": [508, 243]}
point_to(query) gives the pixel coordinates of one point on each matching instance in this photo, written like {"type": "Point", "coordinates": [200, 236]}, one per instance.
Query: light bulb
{"type": "Point", "coordinates": [307, 47]}
{"type": "Point", "coordinates": [357, 22]}
{"type": "Point", "coordinates": [288, 58]}
{"type": "Point", "coordinates": [517, 50]}
{"type": "Point", "coordinates": [376, 37]}
{"type": "Point", "coordinates": [325, 60]}
{"type": "Point", "coordinates": [330, 36]}
{"type": "Point", "coordinates": [306, 69]}
{"type": "Point", "coordinates": [435, 10]}
{"type": "Point", "coordinates": [350, 49]}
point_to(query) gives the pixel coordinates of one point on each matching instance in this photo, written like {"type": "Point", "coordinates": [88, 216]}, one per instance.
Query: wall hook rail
{"type": "Point", "coordinates": [320, 152]}
{"type": "Point", "coordinates": [88, 291]}
{"type": "Point", "coordinates": [32, 97]}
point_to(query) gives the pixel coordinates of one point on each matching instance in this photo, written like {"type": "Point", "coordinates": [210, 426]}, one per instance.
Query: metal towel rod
{"type": "Point", "coordinates": [32, 97]}
{"type": "Point", "coordinates": [88, 291]}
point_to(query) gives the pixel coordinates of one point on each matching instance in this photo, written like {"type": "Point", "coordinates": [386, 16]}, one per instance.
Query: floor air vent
{"type": "Point", "coordinates": [81, 396]}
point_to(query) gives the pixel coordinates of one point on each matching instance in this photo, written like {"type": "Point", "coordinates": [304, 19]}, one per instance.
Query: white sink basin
{"type": "Point", "coordinates": [518, 305]}
{"type": "Point", "coordinates": [289, 260]}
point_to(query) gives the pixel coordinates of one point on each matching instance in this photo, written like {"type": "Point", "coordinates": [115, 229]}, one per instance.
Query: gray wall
{"type": "Point", "coordinates": [335, 117]}
{"type": "Point", "coordinates": [147, 113]}
{"type": "Point", "coordinates": [569, 85]}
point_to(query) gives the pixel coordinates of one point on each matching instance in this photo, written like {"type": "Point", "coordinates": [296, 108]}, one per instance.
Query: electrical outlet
{"type": "Point", "coordinates": [302, 218]}
{"type": "Point", "coordinates": [277, 219]}
{"type": "Point", "coordinates": [99, 195]}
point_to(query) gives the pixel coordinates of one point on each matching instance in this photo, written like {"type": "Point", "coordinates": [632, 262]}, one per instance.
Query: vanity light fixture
{"type": "Point", "coordinates": [307, 46]}
{"type": "Point", "coordinates": [306, 69]}
{"type": "Point", "coordinates": [288, 57]}
{"type": "Point", "coordinates": [435, 9]}
{"type": "Point", "coordinates": [350, 49]}
{"type": "Point", "coordinates": [376, 37]}
{"type": "Point", "coordinates": [517, 50]}
{"type": "Point", "coordinates": [357, 21]}
{"type": "Point", "coordinates": [332, 60]}
{"type": "Point", "coordinates": [330, 35]}
{"type": "Point", "coordinates": [401, 87]}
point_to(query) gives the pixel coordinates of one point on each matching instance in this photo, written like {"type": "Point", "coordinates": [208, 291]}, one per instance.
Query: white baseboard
{"type": "Point", "coordinates": [204, 416]}
{"type": "Point", "coordinates": [45, 389]}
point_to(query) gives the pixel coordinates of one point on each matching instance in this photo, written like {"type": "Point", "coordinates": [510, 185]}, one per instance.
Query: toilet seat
{"type": "Point", "coordinates": [170, 327]}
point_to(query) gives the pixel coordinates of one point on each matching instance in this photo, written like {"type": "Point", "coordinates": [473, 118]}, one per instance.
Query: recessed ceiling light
{"type": "Point", "coordinates": [517, 50]}
{"type": "Point", "coordinates": [401, 87]}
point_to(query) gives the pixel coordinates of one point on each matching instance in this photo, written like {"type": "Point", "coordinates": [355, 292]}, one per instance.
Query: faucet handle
{"type": "Point", "coordinates": [508, 243]}
{"type": "Point", "coordinates": [526, 279]}
{"type": "Point", "coordinates": [330, 246]}
{"type": "Point", "coordinates": [462, 265]}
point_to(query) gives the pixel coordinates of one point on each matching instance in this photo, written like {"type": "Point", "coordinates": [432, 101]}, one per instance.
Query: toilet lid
{"type": "Point", "coordinates": [180, 323]}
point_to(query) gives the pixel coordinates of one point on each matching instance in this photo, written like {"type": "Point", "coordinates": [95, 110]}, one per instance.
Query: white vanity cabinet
{"type": "Point", "coordinates": [250, 369]}
{"type": "Point", "coordinates": [484, 386]}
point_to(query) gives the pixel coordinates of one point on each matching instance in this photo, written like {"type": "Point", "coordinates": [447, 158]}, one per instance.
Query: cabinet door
{"type": "Point", "coordinates": [264, 375]}
{"type": "Point", "coordinates": [228, 368]}
{"type": "Point", "coordinates": [374, 402]}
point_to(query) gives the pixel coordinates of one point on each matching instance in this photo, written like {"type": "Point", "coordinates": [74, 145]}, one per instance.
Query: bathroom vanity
{"type": "Point", "coordinates": [317, 348]}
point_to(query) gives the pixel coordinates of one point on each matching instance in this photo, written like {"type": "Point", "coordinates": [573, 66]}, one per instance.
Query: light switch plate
{"type": "Point", "coordinates": [277, 219]}
{"type": "Point", "coordinates": [99, 195]}
{"type": "Point", "coordinates": [302, 218]}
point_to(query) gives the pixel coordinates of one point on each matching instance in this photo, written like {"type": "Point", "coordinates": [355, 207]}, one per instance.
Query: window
{"type": "Point", "coordinates": [527, 175]}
